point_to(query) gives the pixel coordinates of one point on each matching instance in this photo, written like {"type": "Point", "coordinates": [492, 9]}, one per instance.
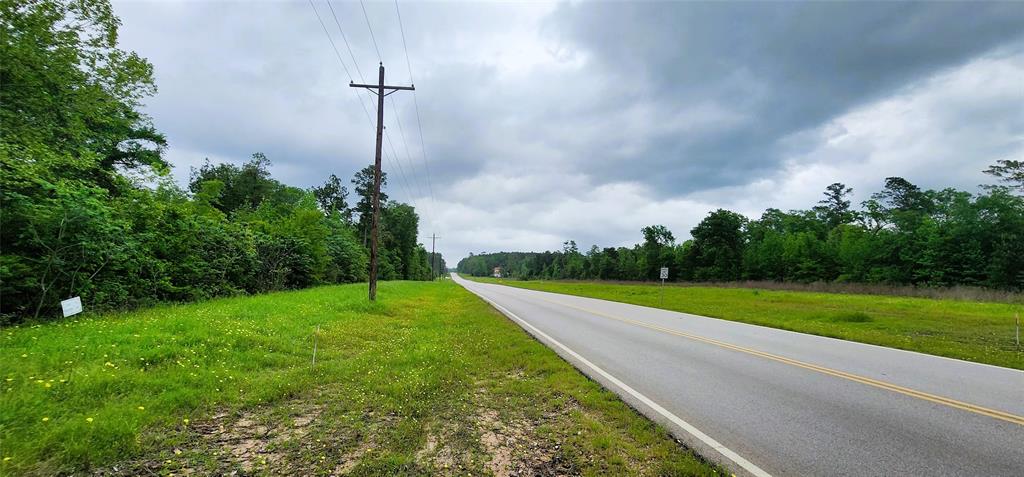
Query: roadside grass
{"type": "Point", "coordinates": [974, 331]}
{"type": "Point", "coordinates": [429, 380]}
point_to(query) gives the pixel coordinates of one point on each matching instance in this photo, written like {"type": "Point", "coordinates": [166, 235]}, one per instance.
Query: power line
{"type": "Point", "coordinates": [397, 118]}
{"type": "Point", "coordinates": [342, 31]}
{"type": "Point", "coordinates": [416, 104]}
{"type": "Point", "coordinates": [405, 47]}
{"type": "Point", "coordinates": [401, 133]}
{"type": "Point", "coordinates": [348, 73]}
{"type": "Point", "coordinates": [412, 168]}
{"type": "Point", "coordinates": [399, 163]}
{"type": "Point", "coordinates": [338, 55]}
{"type": "Point", "coordinates": [372, 37]}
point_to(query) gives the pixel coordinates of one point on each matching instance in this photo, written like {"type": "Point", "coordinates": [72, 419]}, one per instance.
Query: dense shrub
{"type": "Point", "coordinates": [87, 208]}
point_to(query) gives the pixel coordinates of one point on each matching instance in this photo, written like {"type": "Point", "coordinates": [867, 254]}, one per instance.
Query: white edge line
{"type": "Point", "coordinates": [706, 439]}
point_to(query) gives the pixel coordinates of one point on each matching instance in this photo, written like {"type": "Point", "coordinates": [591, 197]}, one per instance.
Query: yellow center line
{"type": "Point", "coordinates": [993, 413]}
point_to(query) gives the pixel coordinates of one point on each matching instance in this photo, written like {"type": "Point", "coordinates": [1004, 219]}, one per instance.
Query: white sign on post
{"type": "Point", "coordinates": [71, 306]}
{"type": "Point", "coordinates": [664, 273]}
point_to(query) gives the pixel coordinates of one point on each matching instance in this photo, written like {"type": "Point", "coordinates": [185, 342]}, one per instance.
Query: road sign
{"type": "Point", "coordinates": [71, 306]}
{"type": "Point", "coordinates": [664, 273]}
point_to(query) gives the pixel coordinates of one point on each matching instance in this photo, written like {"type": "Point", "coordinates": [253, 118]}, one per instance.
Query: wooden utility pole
{"type": "Point", "coordinates": [377, 89]}
{"type": "Point", "coordinates": [433, 256]}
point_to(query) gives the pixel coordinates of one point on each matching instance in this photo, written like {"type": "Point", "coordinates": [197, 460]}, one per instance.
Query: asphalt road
{"type": "Point", "coordinates": [763, 401]}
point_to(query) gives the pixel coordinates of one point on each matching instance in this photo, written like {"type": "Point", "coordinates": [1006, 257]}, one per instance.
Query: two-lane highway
{"type": "Point", "coordinates": [763, 401]}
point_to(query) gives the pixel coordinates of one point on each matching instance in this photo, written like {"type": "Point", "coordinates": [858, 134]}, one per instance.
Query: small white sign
{"type": "Point", "coordinates": [71, 306]}
{"type": "Point", "coordinates": [664, 273]}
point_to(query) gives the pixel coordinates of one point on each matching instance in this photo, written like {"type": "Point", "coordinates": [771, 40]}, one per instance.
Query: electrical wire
{"type": "Point", "coordinates": [419, 123]}
{"type": "Point", "coordinates": [412, 169]}
{"type": "Point", "coordinates": [348, 73]}
{"type": "Point", "coordinates": [372, 37]}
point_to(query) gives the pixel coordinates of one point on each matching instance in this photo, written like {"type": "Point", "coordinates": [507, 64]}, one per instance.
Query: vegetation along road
{"type": "Point", "coordinates": [429, 380]}
{"type": "Point", "coordinates": [764, 401]}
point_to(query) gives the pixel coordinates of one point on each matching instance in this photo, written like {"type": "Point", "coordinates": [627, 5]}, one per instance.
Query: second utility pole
{"type": "Point", "coordinates": [377, 89]}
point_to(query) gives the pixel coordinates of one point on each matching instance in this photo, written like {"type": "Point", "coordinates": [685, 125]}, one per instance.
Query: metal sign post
{"type": "Point", "coordinates": [664, 275]}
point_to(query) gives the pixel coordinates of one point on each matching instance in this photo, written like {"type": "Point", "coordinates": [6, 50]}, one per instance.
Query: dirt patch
{"type": "Point", "coordinates": [227, 444]}
{"type": "Point", "coordinates": [485, 436]}
{"type": "Point", "coordinates": [350, 459]}
{"type": "Point", "coordinates": [516, 447]}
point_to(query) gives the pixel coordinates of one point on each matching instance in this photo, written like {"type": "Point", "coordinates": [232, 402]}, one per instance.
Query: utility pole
{"type": "Point", "coordinates": [377, 89]}
{"type": "Point", "coordinates": [433, 256]}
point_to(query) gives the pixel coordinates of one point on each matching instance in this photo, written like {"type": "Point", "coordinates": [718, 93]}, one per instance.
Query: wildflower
{"type": "Point", "coordinates": [142, 408]}
{"type": "Point", "coordinates": [6, 459]}
{"type": "Point", "coordinates": [185, 421]}
{"type": "Point", "coordinates": [46, 419]}
{"type": "Point", "coordinates": [24, 355]}
{"type": "Point", "coordinates": [88, 419]}
{"type": "Point", "coordinates": [47, 385]}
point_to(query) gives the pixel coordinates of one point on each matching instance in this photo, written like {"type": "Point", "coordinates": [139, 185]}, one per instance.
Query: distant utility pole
{"type": "Point", "coordinates": [377, 89]}
{"type": "Point", "coordinates": [433, 256]}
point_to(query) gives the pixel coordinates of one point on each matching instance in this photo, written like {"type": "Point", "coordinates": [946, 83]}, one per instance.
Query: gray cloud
{"type": "Point", "coordinates": [787, 66]}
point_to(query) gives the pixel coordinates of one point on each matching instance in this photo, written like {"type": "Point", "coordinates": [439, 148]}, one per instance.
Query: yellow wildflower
{"type": "Point", "coordinates": [88, 419]}
{"type": "Point", "coordinates": [141, 408]}
{"type": "Point", "coordinates": [46, 419]}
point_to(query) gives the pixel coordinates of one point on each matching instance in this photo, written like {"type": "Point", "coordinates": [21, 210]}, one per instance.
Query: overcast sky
{"type": "Point", "coordinates": [545, 122]}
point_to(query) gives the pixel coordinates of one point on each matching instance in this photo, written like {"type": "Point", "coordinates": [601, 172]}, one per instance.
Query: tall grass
{"type": "Point", "coordinates": [958, 292]}
{"type": "Point", "coordinates": [420, 364]}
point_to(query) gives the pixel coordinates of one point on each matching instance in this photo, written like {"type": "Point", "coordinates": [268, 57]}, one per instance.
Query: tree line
{"type": "Point", "coordinates": [89, 208]}
{"type": "Point", "coordinates": [900, 235]}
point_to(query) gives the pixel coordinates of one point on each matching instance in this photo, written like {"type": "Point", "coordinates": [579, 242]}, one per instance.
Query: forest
{"type": "Point", "coordinates": [89, 207]}
{"type": "Point", "coordinates": [901, 235]}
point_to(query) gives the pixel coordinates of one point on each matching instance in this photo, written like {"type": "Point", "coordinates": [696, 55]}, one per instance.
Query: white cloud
{"type": "Point", "coordinates": [937, 133]}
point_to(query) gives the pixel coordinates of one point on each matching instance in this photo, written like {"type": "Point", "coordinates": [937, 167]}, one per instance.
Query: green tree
{"type": "Point", "coordinates": [717, 250]}
{"type": "Point", "coordinates": [657, 250]}
{"type": "Point", "coordinates": [244, 187]}
{"type": "Point", "coordinates": [834, 209]}
{"type": "Point", "coordinates": [65, 87]}
{"type": "Point", "coordinates": [1009, 171]}
{"type": "Point", "coordinates": [399, 228]}
{"type": "Point", "coordinates": [333, 198]}
{"type": "Point", "coordinates": [363, 184]}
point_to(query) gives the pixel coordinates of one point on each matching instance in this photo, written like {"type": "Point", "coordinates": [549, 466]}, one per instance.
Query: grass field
{"type": "Point", "coordinates": [973, 331]}
{"type": "Point", "coordinates": [430, 380]}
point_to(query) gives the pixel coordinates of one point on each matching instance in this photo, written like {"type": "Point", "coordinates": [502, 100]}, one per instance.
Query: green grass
{"type": "Point", "coordinates": [973, 331]}
{"type": "Point", "coordinates": [429, 380]}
